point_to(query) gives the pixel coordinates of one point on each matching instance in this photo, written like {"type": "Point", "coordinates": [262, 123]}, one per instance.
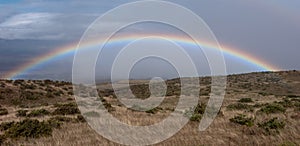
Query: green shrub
{"type": "Point", "coordinates": [6, 125]}
{"type": "Point", "coordinates": [200, 108]}
{"type": "Point", "coordinates": [61, 119]}
{"type": "Point", "coordinates": [108, 106]}
{"type": "Point", "coordinates": [21, 113]}
{"type": "Point", "coordinates": [196, 113]}
{"type": "Point", "coordinates": [196, 117]}
{"type": "Point", "coordinates": [246, 100]}
{"type": "Point", "coordinates": [285, 103]}
{"type": "Point", "coordinates": [263, 93]}
{"type": "Point", "coordinates": [240, 106]}
{"type": "Point", "coordinates": [29, 128]}
{"type": "Point", "coordinates": [154, 110]}
{"type": "Point", "coordinates": [70, 93]}
{"type": "Point", "coordinates": [242, 120]}
{"type": "Point", "coordinates": [293, 96]}
{"type": "Point", "coordinates": [66, 109]}
{"type": "Point", "coordinates": [38, 113]}
{"type": "Point", "coordinates": [54, 123]}
{"type": "Point", "coordinates": [58, 93]}
{"type": "Point", "coordinates": [273, 108]}
{"type": "Point", "coordinates": [29, 95]}
{"type": "Point", "coordinates": [50, 95]}
{"type": "Point", "coordinates": [3, 111]}
{"type": "Point", "coordinates": [272, 125]}
{"type": "Point", "coordinates": [57, 121]}
{"type": "Point", "coordinates": [80, 118]}
{"type": "Point", "coordinates": [2, 139]}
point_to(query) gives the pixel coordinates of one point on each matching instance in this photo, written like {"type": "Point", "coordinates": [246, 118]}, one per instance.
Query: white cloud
{"type": "Point", "coordinates": [26, 25]}
{"type": "Point", "coordinates": [27, 19]}
{"type": "Point", "coordinates": [51, 26]}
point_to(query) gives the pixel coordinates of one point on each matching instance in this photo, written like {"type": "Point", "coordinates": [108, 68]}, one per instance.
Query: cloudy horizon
{"type": "Point", "coordinates": [268, 31]}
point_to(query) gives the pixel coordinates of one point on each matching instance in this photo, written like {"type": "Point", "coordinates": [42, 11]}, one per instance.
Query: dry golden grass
{"type": "Point", "coordinates": [262, 88]}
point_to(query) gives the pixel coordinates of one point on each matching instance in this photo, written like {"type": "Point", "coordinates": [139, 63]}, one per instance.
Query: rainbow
{"type": "Point", "coordinates": [61, 51]}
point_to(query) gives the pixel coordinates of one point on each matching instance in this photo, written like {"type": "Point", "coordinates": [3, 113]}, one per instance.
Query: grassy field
{"type": "Point", "coordinates": [258, 109]}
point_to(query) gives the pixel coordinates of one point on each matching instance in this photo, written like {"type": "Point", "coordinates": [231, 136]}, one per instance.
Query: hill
{"type": "Point", "coordinates": [260, 108]}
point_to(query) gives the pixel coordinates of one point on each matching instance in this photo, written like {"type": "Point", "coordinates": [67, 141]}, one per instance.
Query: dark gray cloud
{"type": "Point", "coordinates": [268, 30]}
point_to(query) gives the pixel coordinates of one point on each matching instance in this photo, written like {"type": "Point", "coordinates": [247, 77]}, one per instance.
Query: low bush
{"type": "Point", "coordinates": [6, 125]}
{"type": "Point", "coordinates": [50, 95]}
{"type": "Point", "coordinates": [57, 121]}
{"type": "Point", "coordinates": [293, 96]}
{"type": "Point", "coordinates": [242, 120]}
{"type": "Point", "coordinates": [246, 100]}
{"type": "Point", "coordinates": [240, 106]}
{"type": "Point", "coordinates": [196, 114]}
{"type": "Point", "coordinates": [38, 113]}
{"type": "Point", "coordinates": [61, 119]}
{"type": "Point", "coordinates": [29, 95]}
{"type": "Point", "coordinates": [273, 108]}
{"type": "Point", "coordinates": [196, 117]}
{"type": "Point", "coordinates": [66, 109]}
{"type": "Point", "coordinates": [154, 110]}
{"type": "Point", "coordinates": [29, 128]}
{"type": "Point", "coordinates": [2, 139]}
{"type": "Point", "coordinates": [80, 118]}
{"type": "Point", "coordinates": [58, 93]}
{"type": "Point", "coordinates": [21, 113]}
{"type": "Point", "coordinates": [3, 111]}
{"type": "Point", "coordinates": [272, 125]}
{"type": "Point", "coordinates": [285, 103]}
{"type": "Point", "coordinates": [108, 106]}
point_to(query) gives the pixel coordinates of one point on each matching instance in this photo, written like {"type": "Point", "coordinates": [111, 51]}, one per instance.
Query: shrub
{"type": "Point", "coordinates": [21, 113]}
{"type": "Point", "coordinates": [61, 119]}
{"type": "Point", "coordinates": [293, 96]}
{"type": "Point", "coordinates": [2, 139]}
{"type": "Point", "coordinates": [263, 93]}
{"type": "Point", "coordinates": [38, 113]}
{"type": "Point", "coordinates": [273, 108]}
{"type": "Point", "coordinates": [242, 120]}
{"type": "Point", "coordinates": [246, 100]}
{"type": "Point", "coordinates": [196, 117]}
{"type": "Point", "coordinates": [29, 95]}
{"type": "Point", "coordinates": [50, 95]}
{"type": "Point", "coordinates": [54, 123]}
{"type": "Point", "coordinates": [29, 128]}
{"type": "Point", "coordinates": [70, 93]}
{"type": "Point", "coordinates": [3, 111]}
{"type": "Point", "coordinates": [66, 109]}
{"type": "Point", "coordinates": [58, 93]}
{"type": "Point", "coordinates": [285, 103]}
{"type": "Point", "coordinates": [154, 110]}
{"type": "Point", "coordinates": [108, 106]}
{"type": "Point", "coordinates": [6, 125]}
{"type": "Point", "coordinates": [272, 125]}
{"type": "Point", "coordinates": [240, 106]}
{"type": "Point", "coordinates": [57, 121]}
{"type": "Point", "coordinates": [80, 118]}
{"type": "Point", "coordinates": [196, 114]}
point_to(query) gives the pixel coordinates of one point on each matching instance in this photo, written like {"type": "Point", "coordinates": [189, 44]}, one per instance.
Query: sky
{"type": "Point", "coordinates": [266, 30]}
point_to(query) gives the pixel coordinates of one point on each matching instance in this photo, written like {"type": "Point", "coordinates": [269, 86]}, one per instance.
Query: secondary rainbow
{"type": "Point", "coordinates": [176, 38]}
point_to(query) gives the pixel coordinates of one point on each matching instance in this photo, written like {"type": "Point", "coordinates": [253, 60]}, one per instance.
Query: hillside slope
{"type": "Point", "coordinates": [258, 109]}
